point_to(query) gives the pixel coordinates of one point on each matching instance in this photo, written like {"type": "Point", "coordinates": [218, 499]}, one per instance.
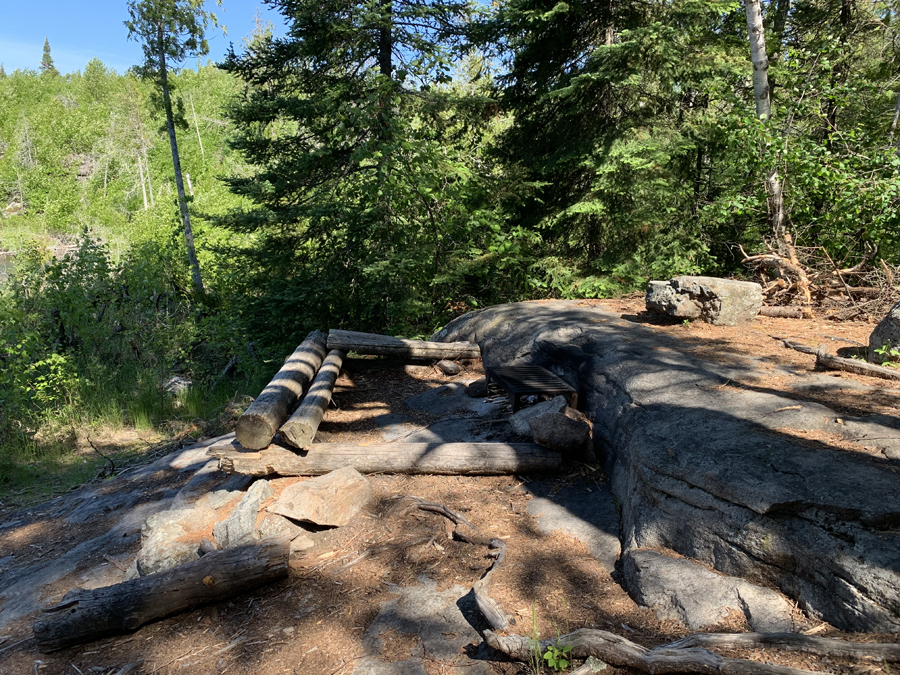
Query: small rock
{"type": "Point", "coordinates": [722, 302]}
{"type": "Point", "coordinates": [520, 419]}
{"type": "Point", "coordinates": [686, 591]}
{"type": "Point", "coordinates": [886, 334]}
{"type": "Point", "coordinates": [301, 543]}
{"type": "Point", "coordinates": [239, 527]}
{"type": "Point", "coordinates": [331, 500]}
{"type": "Point", "coordinates": [449, 368]}
{"type": "Point", "coordinates": [478, 388]}
{"type": "Point", "coordinates": [567, 431]}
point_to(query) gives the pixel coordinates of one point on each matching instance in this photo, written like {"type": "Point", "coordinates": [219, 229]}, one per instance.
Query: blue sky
{"type": "Point", "coordinates": [78, 31]}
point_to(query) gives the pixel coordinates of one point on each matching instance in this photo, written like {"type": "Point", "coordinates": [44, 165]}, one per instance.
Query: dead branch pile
{"type": "Point", "coordinates": [806, 278]}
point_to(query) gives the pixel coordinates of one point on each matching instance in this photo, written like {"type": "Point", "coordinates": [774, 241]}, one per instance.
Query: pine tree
{"type": "Point", "coordinates": [171, 31]}
{"type": "Point", "coordinates": [47, 67]}
{"type": "Point", "coordinates": [2, 71]}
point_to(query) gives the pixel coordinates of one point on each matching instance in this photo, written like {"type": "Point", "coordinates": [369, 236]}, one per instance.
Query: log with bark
{"type": "Point", "coordinates": [83, 616]}
{"type": "Point", "coordinates": [465, 459]}
{"type": "Point", "coordinates": [857, 366]}
{"type": "Point", "coordinates": [782, 312]}
{"type": "Point", "coordinates": [385, 345]}
{"type": "Point", "coordinates": [797, 642]}
{"type": "Point", "coordinates": [257, 426]}
{"type": "Point", "coordinates": [490, 608]}
{"type": "Point", "coordinates": [300, 429]}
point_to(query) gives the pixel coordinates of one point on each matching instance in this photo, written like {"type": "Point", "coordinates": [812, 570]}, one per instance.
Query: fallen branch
{"type": "Point", "coordinates": [489, 607]}
{"type": "Point", "coordinates": [782, 312]}
{"type": "Point", "coordinates": [797, 642]}
{"type": "Point", "coordinates": [619, 651]}
{"type": "Point", "coordinates": [857, 366]}
{"type": "Point", "coordinates": [796, 346]}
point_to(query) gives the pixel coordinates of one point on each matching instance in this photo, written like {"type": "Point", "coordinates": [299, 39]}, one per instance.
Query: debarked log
{"type": "Point", "coordinates": [619, 651]}
{"type": "Point", "coordinates": [257, 426]}
{"type": "Point", "coordinates": [386, 345]}
{"type": "Point", "coordinates": [782, 312]}
{"type": "Point", "coordinates": [465, 459]}
{"type": "Point", "coordinates": [859, 367]}
{"type": "Point", "coordinates": [83, 616]}
{"type": "Point", "coordinates": [300, 429]}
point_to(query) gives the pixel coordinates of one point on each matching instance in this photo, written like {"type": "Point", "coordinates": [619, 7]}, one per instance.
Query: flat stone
{"type": "Point", "coordinates": [301, 543]}
{"type": "Point", "coordinates": [450, 398]}
{"type": "Point", "coordinates": [439, 623]}
{"type": "Point", "coordinates": [719, 474]}
{"type": "Point", "coordinates": [567, 432]}
{"type": "Point", "coordinates": [520, 419]}
{"type": "Point", "coordinates": [582, 510]}
{"type": "Point", "coordinates": [274, 524]}
{"type": "Point", "coordinates": [723, 302]}
{"type": "Point", "coordinates": [394, 427]}
{"type": "Point", "coordinates": [239, 528]}
{"type": "Point", "coordinates": [331, 500]}
{"type": "Point", "coordinates": [449, 368]}
{"type": "Point", "coordinates": [886, 334]}
{"type": "Point", "coordinates": [461, 430]}
{"type": "Point", "coordinates": [683, 590]}
{"type": "Point", "coordinates": [477, 388]}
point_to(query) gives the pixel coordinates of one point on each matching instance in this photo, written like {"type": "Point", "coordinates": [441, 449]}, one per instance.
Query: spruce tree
{"type": "Point", "coordinates": [47, 67]}
{"type": "Point", "coordinates": [170, 31]}
{"type": "Point", "coordinates": [2, 71]}
{"type": "Point", "coordinates": [368, 163]}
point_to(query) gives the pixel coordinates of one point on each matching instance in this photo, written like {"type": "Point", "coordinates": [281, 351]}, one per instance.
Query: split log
{"type": "Point", "coordinates": [782, 312]}
{"type": "Point", "coordinates": [463, 459]}
{"type": "Point", "coordinates": [385, 345]}
{"type": "Point", "coordinates": [620, 652]}
{"type": "Point", "coordinates": [857, 366]}
{"type": "Point", "coordinates": [810, 644]}
{"type": "Point", "coordinates": [300, 430]}
{"type": "Point", "coordinates": [83, 616]}
{"type": "Point", "coordinates": [257, 426]}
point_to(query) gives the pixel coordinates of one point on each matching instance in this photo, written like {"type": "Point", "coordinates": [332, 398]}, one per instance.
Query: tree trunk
{"type": "Point", "coordinates": [83, 616]}
{"type": "Point", "coordinates": [758, 56]}
{"type": "Point", "coordinates": [260, 422]}
{"type": "Point", "coordinates": [176, 163]}
{"type": "Point", "coordinates": [385, 40]}
{"type": "Point", "coordinates": [451, 459]}
{"type": "Point", "coordinates": [300, 430]}
{"type": "Point", "coordinates": [386, 345]}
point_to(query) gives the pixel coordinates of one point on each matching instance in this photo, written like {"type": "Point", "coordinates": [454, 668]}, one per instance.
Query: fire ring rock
{"type": "Point", "coordinates": [722, 302]}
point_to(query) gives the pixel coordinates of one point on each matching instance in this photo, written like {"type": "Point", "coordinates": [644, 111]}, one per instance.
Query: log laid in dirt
{"type": "Point", "coordinates": [782, 312]}
{"type": "Point", "coordinates": [257, 426]}
{"type": "Point", "coordinates": [385, 345]}
{"type": "Point", "coordinates": [619, 651]}
{"type": "Point", "coordinates": [300, 429]}
{"type": "Point", "coordinates": [83, 616]}
{"type": "Point", "coordinates": [797, 642]}
{"type": "Point", "coordinates": [830, 362]}
{"type": "Point", "coordinates": [464, 459]}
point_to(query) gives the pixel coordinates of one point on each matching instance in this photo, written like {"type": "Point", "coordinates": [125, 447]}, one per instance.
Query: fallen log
{"type": "Point", "coordinates": [619, 651]}
{"type": "Point", "coordinates": [490, 609]}
{"type": "Point", "coordinates": [257, 426]}
{"type": "Point", "coordinates": [83, 616]}
{"type": "Point", "coordinates": [810, 644]}
{"type": "Point", "coordinates": [464, 459]}
{"type": "Point", "coordinates": [385, 345]}
{"type": "Point", "coordinates": [300, 429]}
{"type": "Point", "coordinates": [858, 366]}
{"type": "Point", "coordinates": [782, 312]}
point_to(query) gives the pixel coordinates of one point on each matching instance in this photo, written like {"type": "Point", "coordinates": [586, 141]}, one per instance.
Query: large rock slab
{"type": "Point", "coordinates": [711, 472]}
{"type": "Point", "coordinates": [331, 500]}
{"type": "Point", "coordinates": [567, 431]}
{"type": "Point", "coordinates": [886, 334]}
{"type": "Point", "coordinates": [164, 538]}
{"type": "Point", "coordinates": [723, 302]}
{"type": "Point", "coordinates": [239, 528]}
{"type": "Point", "coordinates": [683, 590]}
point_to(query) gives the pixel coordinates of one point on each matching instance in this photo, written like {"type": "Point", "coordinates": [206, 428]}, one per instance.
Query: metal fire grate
{"type": "Point", "coordinates": [524, 380]}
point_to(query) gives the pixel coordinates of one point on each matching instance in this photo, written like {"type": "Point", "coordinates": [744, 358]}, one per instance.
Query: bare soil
{"type": "Point", "coordinates": [312, 622]}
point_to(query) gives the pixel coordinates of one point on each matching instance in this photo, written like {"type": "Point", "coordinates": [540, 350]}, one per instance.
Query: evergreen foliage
{"type": "Point", "coordinates": [47, 67]}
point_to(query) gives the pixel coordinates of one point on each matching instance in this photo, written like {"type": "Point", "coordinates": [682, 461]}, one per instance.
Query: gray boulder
{"type": "Point", "coordinates": [520, 420]}
{"type": "Point", "coordinates": [239, 527]}
{"type": "Point", "coordinates": [683, 590]}
{"type": "Point", "coordinates": [164, 540]}
{"type": "Point", "coordinates": [477, 388]}
{"type": "Point", "coordinates": [886, 334]}
{"type": "Point", "coordinates": [567, 432]}
{"type": "Point", "coordinates": [331, 500]}
{"type": "Point", "coordinates": [722, 302]}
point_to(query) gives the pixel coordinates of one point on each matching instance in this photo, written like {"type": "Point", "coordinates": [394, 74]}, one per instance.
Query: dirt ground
{"type": "Point", "coordinates": [312, 622]}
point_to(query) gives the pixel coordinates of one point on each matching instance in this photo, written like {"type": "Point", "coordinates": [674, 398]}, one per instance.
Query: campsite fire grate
{"type": "Point", "coordinates": [521, 381]}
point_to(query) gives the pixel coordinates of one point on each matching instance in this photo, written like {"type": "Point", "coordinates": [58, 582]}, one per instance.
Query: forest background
{"type": "Point", "coordinates": [389, 164]}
